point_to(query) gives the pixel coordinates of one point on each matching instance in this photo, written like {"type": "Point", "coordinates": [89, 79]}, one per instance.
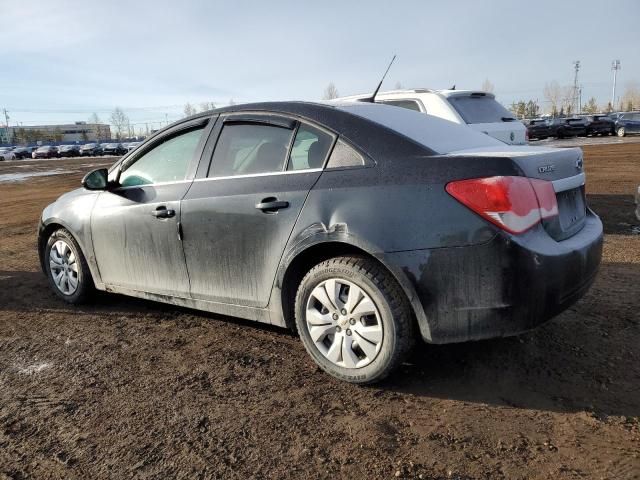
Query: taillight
{"type": "Point", "coordinates": [514, 204]}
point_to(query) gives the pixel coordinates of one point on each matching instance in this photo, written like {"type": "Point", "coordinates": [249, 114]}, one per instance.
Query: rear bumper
{"type": "Point", "coordinates": [504, 287]}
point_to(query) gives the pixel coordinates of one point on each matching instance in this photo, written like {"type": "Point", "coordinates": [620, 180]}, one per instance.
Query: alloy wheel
{"type": "Point", "coordinates": [63, 267]}
{"type": "Point", "coordinates": [344, 323]}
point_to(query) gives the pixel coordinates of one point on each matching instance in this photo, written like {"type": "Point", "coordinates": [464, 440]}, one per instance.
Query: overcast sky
{"type": "Point", "coordinates": [62, 60]}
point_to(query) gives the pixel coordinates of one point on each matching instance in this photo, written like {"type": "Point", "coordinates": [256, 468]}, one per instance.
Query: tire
{"type": "Point", "coordinates": [77, 269]}
{"type": "Point", "coordinates": [621, 132]}
{"type": "Point", "coordinates": [366, 289]}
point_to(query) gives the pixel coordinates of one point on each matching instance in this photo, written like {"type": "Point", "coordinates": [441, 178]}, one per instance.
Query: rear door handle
{"type": "Point", "coordinates": [271, 205]}
{"type": "Point", "coordinates": [163, 212]}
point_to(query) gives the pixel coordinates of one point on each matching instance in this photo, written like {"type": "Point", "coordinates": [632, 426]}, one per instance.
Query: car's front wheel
{"type": "Point", "coordinates": [66, 267]}
{"type": "Point", "coordinates": [354, 319]}
{"type": "Point", "coordinates": [621, 132]}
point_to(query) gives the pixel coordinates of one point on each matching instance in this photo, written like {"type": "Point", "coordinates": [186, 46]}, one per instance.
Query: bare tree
{"type": "Point", "coordinates": [631, 97]}
{"type": "Point", "coordinates": [399, 85]}
{"type": "Point", "coordinates": [120, 122]}
{"type": "Point", "coordinates": [487, 86]}
{"type": "Point", "coordinates": [94, 118]}
{"type": "Point", "coordinates": [591, 106]}
{"type": "Point", "coordinates": [205, 106]}
{"type": "Point", "coordinates": [189, 110]}
{"type": "Point", "coordinates": [553, 94]}
{"type": "Point", "coordinates": [330, 92]}
{"type": "Point", "coordinates": [231, 102]}
{"type": "Point", "coordinates": [567, 99]}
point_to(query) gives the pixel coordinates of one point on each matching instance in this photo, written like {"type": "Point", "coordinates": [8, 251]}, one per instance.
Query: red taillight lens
{"type": "Point", "coordinates": [514, 204]}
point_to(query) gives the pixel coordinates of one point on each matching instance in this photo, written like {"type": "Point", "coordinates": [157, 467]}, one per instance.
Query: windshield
{"type": "Point", "coordinates": [480, 109]}
{"type": "Point", "coordinates": [43, 149]}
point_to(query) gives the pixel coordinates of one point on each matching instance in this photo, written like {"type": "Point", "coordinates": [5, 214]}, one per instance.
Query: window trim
{"type": "Point", "coordinates": [152, 142]}
{"type": "Point", "coordinates": [274, 119]}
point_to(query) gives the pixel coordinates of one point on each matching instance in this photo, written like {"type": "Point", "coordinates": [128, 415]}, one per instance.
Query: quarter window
{"type": "Point", "coordinates": [408, 104]}
{"type": "Point", "coordinates": [167, 162]}
{"type": "Point", "coordinates": [245, 149]}
{"type": "Point", "coordinates": [310, 148]}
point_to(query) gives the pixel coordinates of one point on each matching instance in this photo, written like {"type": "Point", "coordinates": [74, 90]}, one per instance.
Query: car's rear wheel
{"type": "Point", "coordinates": [621, 132]}
{"type": "Point", "coordinates": [66, 267]}
{"type": "Point", "coordinates": [354, 319]}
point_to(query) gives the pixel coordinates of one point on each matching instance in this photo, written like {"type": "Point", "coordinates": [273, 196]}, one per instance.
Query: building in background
{"type": "Point", "coordinates": [77, 132]}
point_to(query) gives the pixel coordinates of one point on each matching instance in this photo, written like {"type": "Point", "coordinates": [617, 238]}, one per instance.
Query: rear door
{"type": "Point", "coordinates": [240, 211]}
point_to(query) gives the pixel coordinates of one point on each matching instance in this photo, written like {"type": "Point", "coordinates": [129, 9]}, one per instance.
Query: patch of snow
{"type": "Point", "coordinates": [35, 368]}
{"type": "Point", "coordinates": [20, 177]}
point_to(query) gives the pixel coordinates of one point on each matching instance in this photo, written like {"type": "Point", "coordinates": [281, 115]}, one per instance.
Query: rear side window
{"type": "Point", "coordinates": [166, 162]}
{"type": "Point", "coordinates": [310, 148]}
{"type": "Point", "coordinates": [480, 109]}
{"type": "Point", "coordinates": [245, 149]}
{"type": "Point", "coordinates": [408, 104]}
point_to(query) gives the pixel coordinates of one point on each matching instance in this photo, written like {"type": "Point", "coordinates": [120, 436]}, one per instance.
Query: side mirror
{"type": "Point", "coordinates": [96, 179]}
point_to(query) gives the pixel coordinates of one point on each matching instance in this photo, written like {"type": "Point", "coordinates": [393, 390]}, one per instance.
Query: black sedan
{"type": "Point", "coordinates": [91, 150]}
{"type": "Point", "coordinates": [567, 127]}
{"type": "Point", "coordinates": [114, 149]}
{"type": "Point", "coordinates": [363, 226]}
{"type": "Point", "coordinates": [539, 129]}
{"type": "Point", "coordinates": [69, 150]}
{"type": "Point", "coordinates": [45, 151]}
{"type": "Point", "coordinates": [22, 152]}
{"type": "Point", "coordinates": [600, 125]}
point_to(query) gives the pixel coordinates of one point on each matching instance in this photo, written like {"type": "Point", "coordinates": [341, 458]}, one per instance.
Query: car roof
{"type": "Point", "coordinates": [345, 117]}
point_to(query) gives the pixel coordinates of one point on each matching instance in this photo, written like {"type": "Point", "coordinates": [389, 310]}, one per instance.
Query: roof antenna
{"type": "Point", "coordinates": [454, 87]}
{"type": "Point", "coordinates": [372, 98]}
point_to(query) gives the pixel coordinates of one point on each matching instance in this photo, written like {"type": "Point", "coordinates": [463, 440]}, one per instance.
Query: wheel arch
{"type": "Point", "coordinates": [45, 231]}
{"type": "Point", "coordinates": [304, 259]}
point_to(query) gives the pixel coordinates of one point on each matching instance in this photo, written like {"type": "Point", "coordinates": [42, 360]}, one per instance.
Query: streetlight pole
{"type": "Point", "coordinates": [615, 66]}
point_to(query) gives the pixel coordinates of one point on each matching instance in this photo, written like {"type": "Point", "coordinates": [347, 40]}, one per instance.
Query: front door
{"type": "Point", "coordinates": [135, 227]}
{"type": "Point", "coordinates": [238, 217]}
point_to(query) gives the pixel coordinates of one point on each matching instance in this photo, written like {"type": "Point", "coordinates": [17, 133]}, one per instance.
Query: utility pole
{"type": "Point", "coordinates": [576, 66]}
{"type": "Point", "coordinates": [6, 119]}
{"type": "Point", "coordinates": [615, 66]}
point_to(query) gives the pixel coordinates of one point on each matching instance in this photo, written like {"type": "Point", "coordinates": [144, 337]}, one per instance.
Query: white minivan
{"type": "Point", "coordinates": [479, 110]}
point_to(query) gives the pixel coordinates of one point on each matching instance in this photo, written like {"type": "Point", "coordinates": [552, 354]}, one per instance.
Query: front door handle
{"type": "Point", "coordinates": [163, 212]}
{"type": "Point", "coordinates": [271, 205]}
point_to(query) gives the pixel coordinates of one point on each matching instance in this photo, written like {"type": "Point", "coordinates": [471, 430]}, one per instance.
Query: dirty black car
{"type": "Point", "coordinates": [363, 226]}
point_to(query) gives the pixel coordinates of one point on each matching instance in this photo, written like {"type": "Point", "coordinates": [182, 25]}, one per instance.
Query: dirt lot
{"type": "Point", "coordinates": [126, 388]}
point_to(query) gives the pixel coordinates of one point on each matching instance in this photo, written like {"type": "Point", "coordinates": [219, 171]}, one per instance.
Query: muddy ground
{"type": "Point", "coordinates": [125, 388]}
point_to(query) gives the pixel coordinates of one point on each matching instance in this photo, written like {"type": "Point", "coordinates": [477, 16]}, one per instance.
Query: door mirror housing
{"type": "Point", "coordinates": [96, 179]}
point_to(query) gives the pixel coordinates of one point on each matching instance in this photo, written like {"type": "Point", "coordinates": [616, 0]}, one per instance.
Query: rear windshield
{"type": "Point", "coordinates": [435, 133]}
{"type": "Point", "coordinates": [576, 120]}
{"type": "Point", "coordinates": [480, 109]}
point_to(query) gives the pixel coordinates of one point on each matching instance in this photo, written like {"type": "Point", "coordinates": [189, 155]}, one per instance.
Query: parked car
{"type": "Point", "coordinates": [22, 152]}
{"type": "Point", "coordinates": [114, 149]}
{"type": "Point", "coordinates": [479, 110]}
{"type": "Point", "coordinates": [133, 145]}
{"type": "Point", "coordinates": [45, 151]}
{"type": "Point", "coordinates": [539, 129]}
{"type": "Point", "coordinates": [600, 125]}
{"type": "Point", "coordinates": [366, 226]}
{"type": "Point", "coordinates": [6, 153]}
{"type": "Point", "coordinates": [567, 127]}
{"type": "Point", "coordinates": [626, 123]}
{"type": "Point", "coordinates": [69, 150]}
{"type": "Point", "coordinates": [91, 150]}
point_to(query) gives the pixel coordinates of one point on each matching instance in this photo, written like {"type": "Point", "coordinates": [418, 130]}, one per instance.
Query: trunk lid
{"type": "Point", "coordinates": [563, 167]}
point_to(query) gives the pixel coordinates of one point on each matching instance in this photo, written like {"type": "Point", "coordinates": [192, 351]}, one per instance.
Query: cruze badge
{"type": "Point", "coordinates": [512, 136]}
{"type": "Point", "coordinates": [579, 164]}
{"type": "Point", "coordinates": [546, 168]}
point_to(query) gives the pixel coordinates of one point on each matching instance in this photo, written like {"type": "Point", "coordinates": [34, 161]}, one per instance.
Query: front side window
{"type": "Point", "coordinates": [246, 149]}
{"type": "Point", "coordinates": [310, 148]}
{"type": "Point", "coordinates": [167, 162]}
